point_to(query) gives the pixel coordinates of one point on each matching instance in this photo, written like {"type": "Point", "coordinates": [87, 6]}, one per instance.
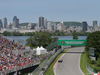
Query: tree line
{"type": "Point", "coordinates": [93, 41]}
{"type": "Point", "coordinates": [40, 39]}
{"type": "Point", "coordinates": [56, 33]}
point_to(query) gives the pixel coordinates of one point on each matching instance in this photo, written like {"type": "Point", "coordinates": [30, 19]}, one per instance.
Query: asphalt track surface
{"type": "Point", "coordinates": [71, 62]}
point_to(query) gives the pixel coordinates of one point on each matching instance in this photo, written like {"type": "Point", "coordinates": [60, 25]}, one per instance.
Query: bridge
{"type": "Point", "coordinates": [71, 42]}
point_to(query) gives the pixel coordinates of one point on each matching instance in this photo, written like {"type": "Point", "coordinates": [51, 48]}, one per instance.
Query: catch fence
{"type": "Point", "coordinates": [52, 45]}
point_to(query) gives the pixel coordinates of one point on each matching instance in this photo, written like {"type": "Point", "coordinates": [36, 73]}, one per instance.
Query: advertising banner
{"type": "Point", "coordinates": [71, 42]}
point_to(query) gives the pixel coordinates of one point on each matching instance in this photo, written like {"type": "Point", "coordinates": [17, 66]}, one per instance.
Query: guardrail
{"type": "Point", "coordinates": [90, 69]}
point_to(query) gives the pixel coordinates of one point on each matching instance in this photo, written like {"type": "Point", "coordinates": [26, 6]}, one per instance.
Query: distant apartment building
{"type": "Point", "coordinates": [60, 26]}
{"type": "Point", "coordinates": [75, 28]}
{"type": "Point", "coordinates": [49, 26]}
{"type": "Point", "coordinates": [64, 28]}
{"type": "Point", "coordinates": [45, 23]}
{"type": "Point", "coordinates": [95, 25]}
{"type": "Point", "coordinates": [0, 24]}
{"type": "Point", "coordinates": [9, 25]}
{"type": "Point", "coordinates": [71, 28]}
{"type": "Point", "coordinates": [4, 22]}
{"type": "Point", "coordinates": [15, 22]}
{"type": "Point", "coordinates": [78, 29]}
{"type": "Point", "coordinates": [41, 21]}
{"type": "Point", "coordinates": [84, 26]}
{"type": "Point", "coordinates": [55, 26]}
{"type": "Point", "coordinates": [90, 29]}
{"type": "Point", "coordinates": [29, 26]}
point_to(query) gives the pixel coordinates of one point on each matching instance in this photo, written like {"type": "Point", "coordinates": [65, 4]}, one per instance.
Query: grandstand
{"type": "Point", "coordinates": [13, 58]}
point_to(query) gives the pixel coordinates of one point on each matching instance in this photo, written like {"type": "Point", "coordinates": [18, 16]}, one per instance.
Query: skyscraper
{"type": "Point", "coordinates": [45, 23]}
{"type": "Point", "coordinates": [15, 22]}
{"type": "Point", "coordinates": [95, 25]}
{"type": "Point", "coordinates": [0, 24]}
{"type": "Point", "coordinates": [55, 26]}
{"type": "Point", "coordinates": [4, 23]}
{"type": "Point", "coordinates": [84, 26]}
{"type": "Point", "coordinates": [41, 21]}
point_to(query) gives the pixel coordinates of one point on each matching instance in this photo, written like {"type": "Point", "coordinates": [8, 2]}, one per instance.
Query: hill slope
{"type": "Point", "coordinates": [72, 24]}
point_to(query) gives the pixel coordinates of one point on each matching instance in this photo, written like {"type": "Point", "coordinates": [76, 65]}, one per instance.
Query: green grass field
{"type": "Point", "coordinates": [50, 69]}
{"type": "Point", "coordinates": [83, 64]}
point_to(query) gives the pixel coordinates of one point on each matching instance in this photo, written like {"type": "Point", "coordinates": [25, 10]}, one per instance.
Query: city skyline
{"type": "Point", "coordinates": [53, 10]}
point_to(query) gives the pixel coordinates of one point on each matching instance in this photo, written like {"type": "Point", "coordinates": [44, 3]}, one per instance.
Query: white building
{"type": "Point", "coordinates": [29, 26]}
{"type": "Point", "coordinates": [49, 25]}
{"type": "Point", "coordinates": [9, 25]}
{"type": "Point", "coordinates": [59, 27]}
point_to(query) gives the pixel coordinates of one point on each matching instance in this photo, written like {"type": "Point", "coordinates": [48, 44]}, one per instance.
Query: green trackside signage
{"type": "Point", "coordinates": [71, 42]}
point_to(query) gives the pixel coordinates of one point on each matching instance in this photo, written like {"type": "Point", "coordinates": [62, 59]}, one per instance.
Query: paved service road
{"type": "Point", "coordinates": [71, 62]}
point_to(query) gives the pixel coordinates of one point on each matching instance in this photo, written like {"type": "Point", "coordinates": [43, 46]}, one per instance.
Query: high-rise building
{"type": "Point", "coordinates": [0, 24]}
{"type": "Point", "coordinates": [4, 22]}
{"type": "Point", "coordinates": [15, 22]}
{"type": "Point", "coordinates": [55, 26]}
{"type": "Point", "coordinates": [84, 26]}
{"type": "Point", "coordinates": [95, 25]}
{"type": "Point", "coordinates": [60, 26]}
{"type": "Point", "coordinates": [49, 25]}
{"type": "Point", "coordinates": [9, 25]}
{"type": "Point", "coordinates": [41, 21]}
{"type": "Point", "coordinates": [45, 23]}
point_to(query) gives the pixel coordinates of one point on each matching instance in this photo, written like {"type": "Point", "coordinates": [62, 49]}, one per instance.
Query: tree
{"type": "Point", "coordinates": [17, 33]}
{"type": "Point", "coordinates": [40, 39]}
{"type": "Point", "coordinates": [6, 33]}
{"type": "Point", "coordinates": [74, 34]}
{"type": "Point", "coordinates": [29, 33]}
{"type": "Point", "coordinates": [93, 40]}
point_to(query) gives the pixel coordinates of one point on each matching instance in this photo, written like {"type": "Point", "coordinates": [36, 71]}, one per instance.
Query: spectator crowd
{"type": "Point", "coordinates": [8, 57]}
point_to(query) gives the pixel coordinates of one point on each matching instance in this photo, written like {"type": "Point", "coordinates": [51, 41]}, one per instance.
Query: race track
{"type": "Point", "coordinates": [71, 62]}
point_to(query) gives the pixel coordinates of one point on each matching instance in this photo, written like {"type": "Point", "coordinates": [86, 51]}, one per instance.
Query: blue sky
{"type": "Point", "coordinates": [53, 10]}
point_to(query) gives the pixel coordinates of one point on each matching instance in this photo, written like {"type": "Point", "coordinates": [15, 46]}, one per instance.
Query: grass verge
{"type": "Point", "coordinates": [83, 64]}
{"type": "Point", "coordinates": [50, 69]}
{"type": "Point", "coordinates": [41, 61]}
{"type": "Point", "coordinates": [44, 59]}
{"type": "Point", "coordinates": [50, 56]}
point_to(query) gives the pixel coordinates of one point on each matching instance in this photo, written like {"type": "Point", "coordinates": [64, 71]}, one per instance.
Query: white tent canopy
{"type": "Point", "coordinates": [40, 50]}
